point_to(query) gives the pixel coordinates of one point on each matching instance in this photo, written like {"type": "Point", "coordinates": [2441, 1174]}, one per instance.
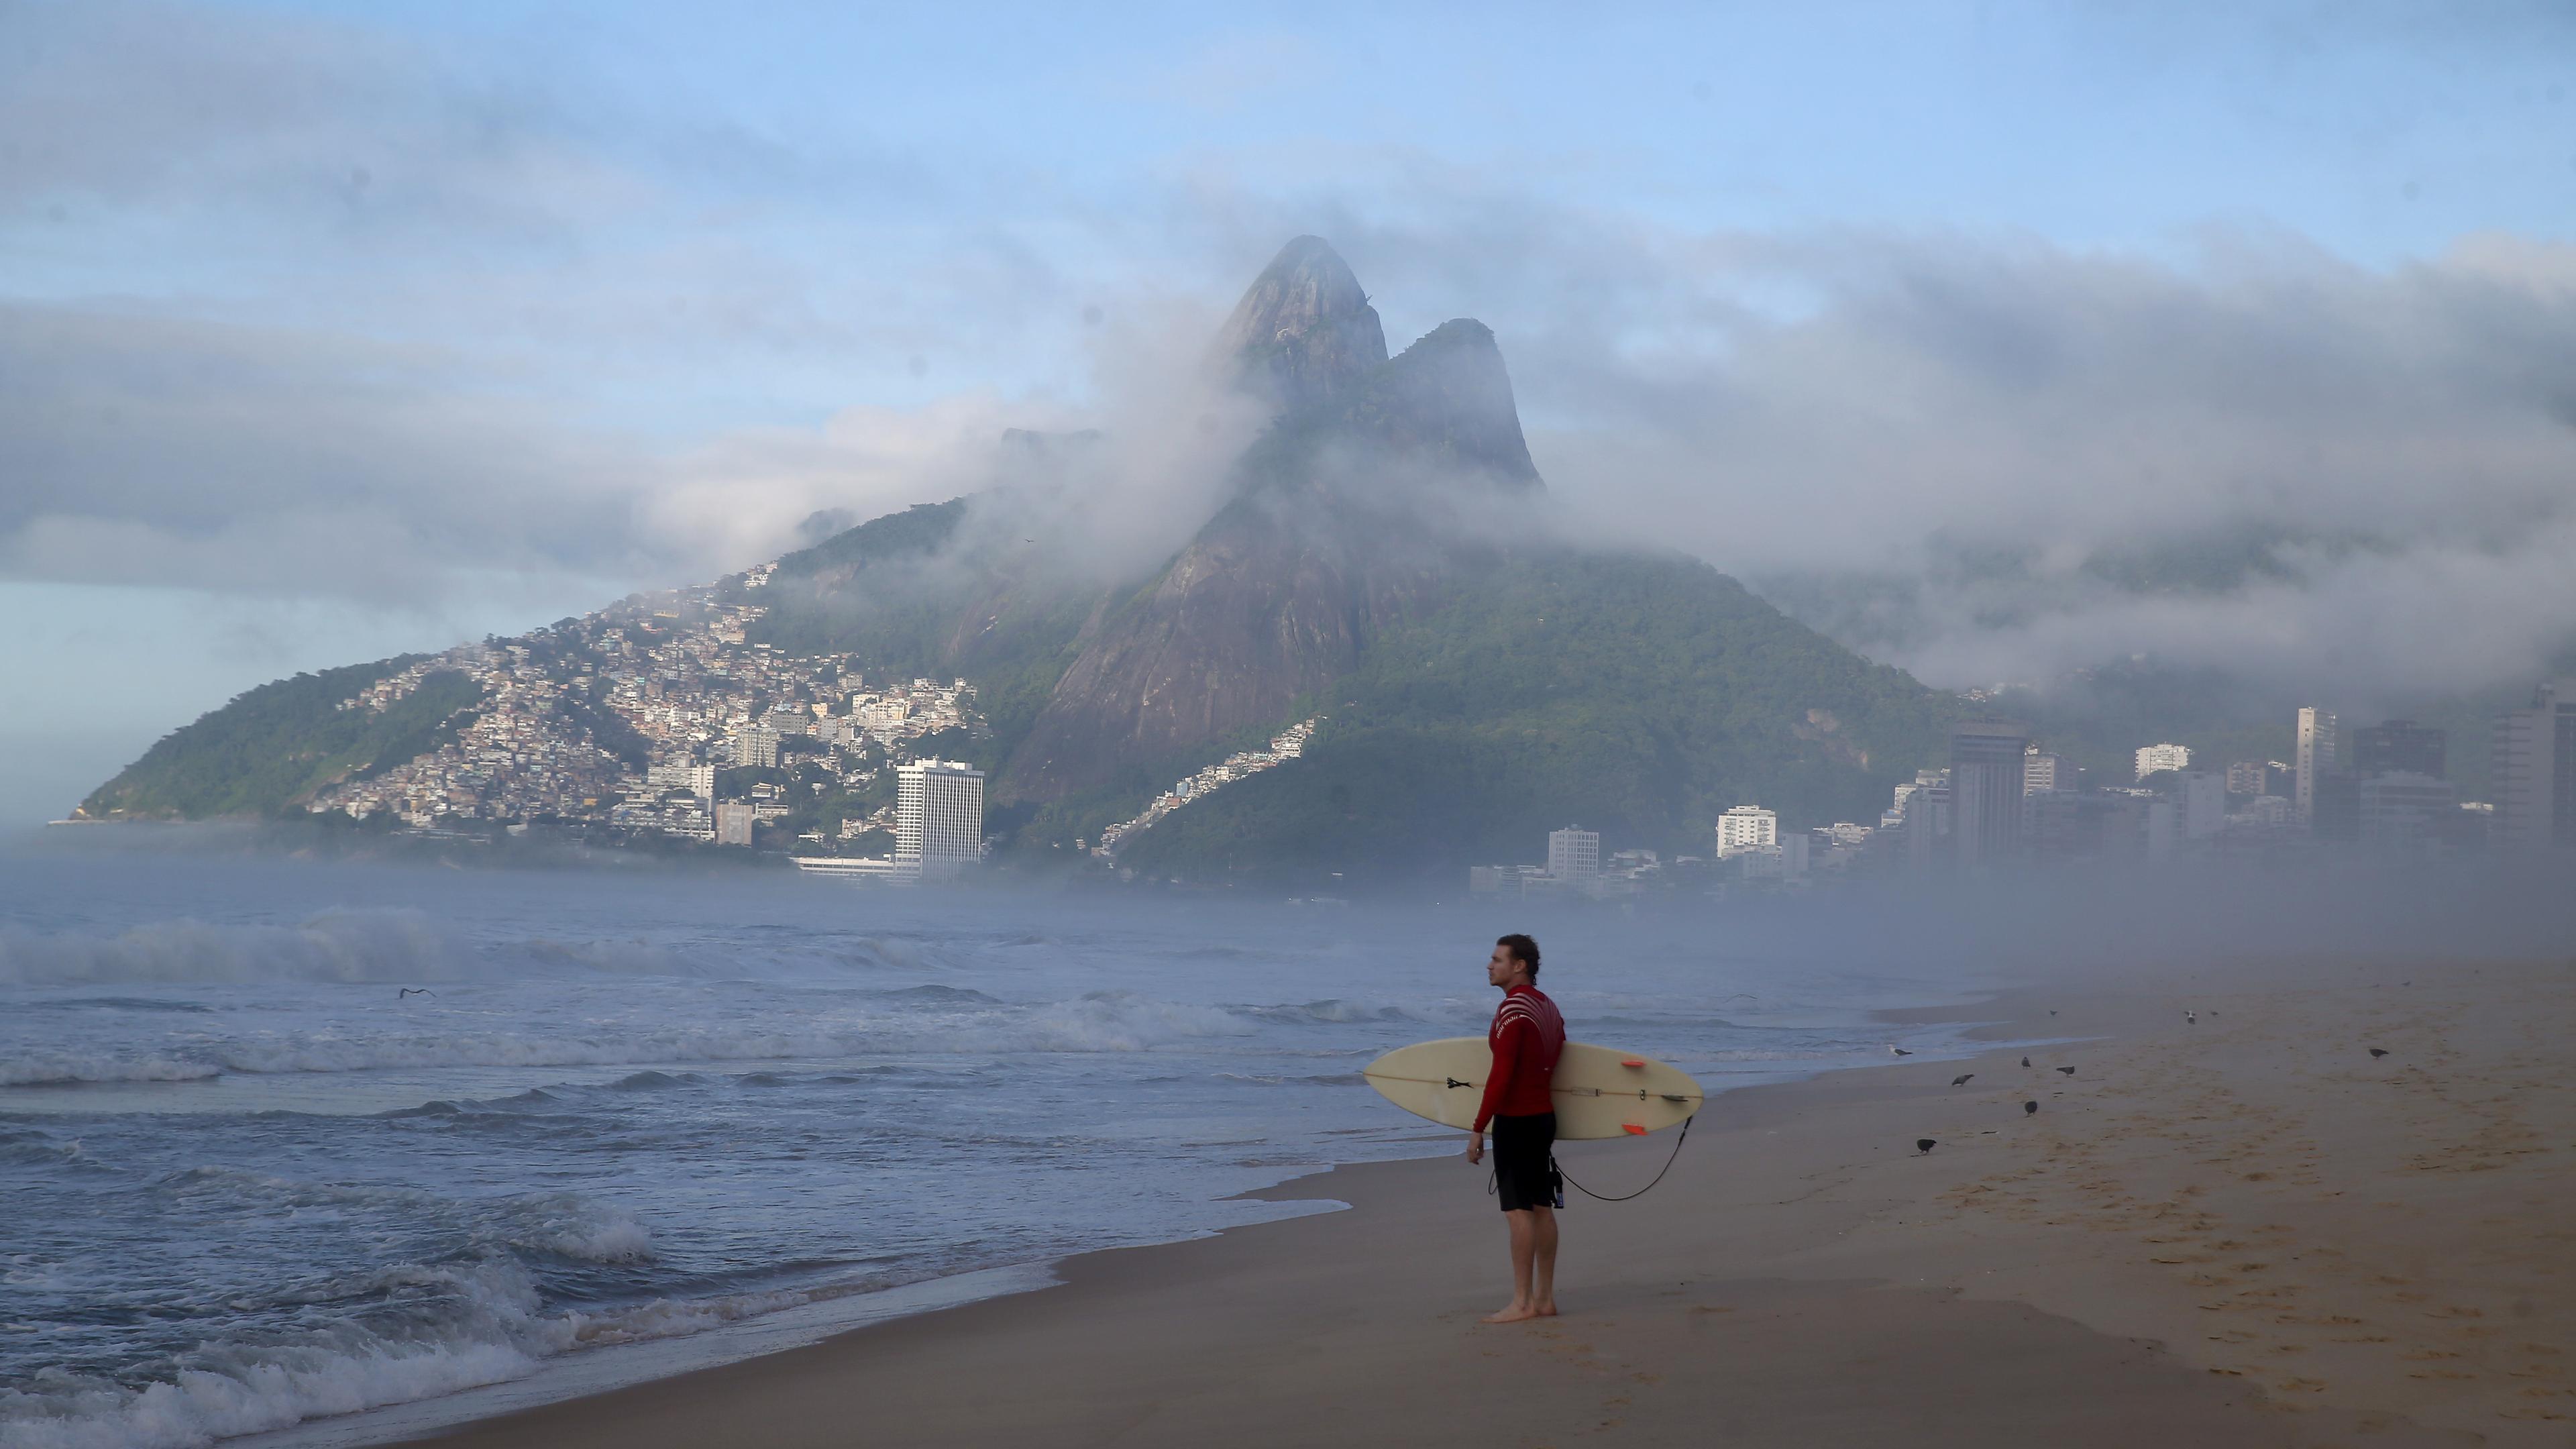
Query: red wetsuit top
{"type": "Point", "coordinates": [1527, 1036]}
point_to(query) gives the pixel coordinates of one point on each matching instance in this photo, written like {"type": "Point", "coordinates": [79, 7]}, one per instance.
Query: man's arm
{"type": "Point", "coordinates": [1507, 1055]}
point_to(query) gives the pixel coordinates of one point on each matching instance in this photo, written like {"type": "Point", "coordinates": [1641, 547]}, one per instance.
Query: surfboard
{"type": "Point", "coordinates": [1599, 1091]}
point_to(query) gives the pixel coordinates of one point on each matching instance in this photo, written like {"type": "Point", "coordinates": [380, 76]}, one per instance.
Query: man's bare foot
{"type": "Point", "coordinates": [1546, 1310]}
{"type": "Point", "coordinates": [1517, 1313]}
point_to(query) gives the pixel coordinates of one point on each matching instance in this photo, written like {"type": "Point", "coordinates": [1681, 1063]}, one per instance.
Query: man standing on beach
{"type": "Point", "coordinates": [1527, 1036]}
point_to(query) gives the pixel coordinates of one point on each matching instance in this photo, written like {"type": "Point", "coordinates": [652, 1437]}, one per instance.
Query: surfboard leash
{"type": "Point", "coordinates": [1641, 1192]}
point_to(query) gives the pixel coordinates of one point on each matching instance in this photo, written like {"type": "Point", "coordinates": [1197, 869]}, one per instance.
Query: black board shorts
{"type": "Point", "coordinates": [1524, 1171]}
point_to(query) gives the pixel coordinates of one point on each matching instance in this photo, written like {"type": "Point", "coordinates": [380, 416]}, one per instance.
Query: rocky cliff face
{"type": "Point", "coordinates": [1304, 332]}
{"type": "Point", "coordinates": [1332, 533]}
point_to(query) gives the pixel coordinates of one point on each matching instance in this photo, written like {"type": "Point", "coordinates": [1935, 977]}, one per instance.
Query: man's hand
{"type": "Point", "coordinates": [1475, 1147]}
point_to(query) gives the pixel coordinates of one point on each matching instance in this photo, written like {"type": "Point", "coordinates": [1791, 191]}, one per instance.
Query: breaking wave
{"type": "Point", "coordinates": [1100, 1022]}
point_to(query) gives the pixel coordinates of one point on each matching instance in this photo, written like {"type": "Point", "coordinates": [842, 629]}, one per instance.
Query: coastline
{"type": "Point", "coordinates": [2239, 1230]}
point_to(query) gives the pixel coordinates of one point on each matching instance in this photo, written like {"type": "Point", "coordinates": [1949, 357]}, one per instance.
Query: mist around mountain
{"type": "Point", "coordinates": [1381, 553]}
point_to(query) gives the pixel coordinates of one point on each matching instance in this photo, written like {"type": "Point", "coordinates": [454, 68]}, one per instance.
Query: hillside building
{"type": "Point", "coordinates": [1746, 827]}
{"type": "Point", "coordinates": [2043, 771]}
{"type": "Point", "coordinates": [733, 822]}
{"type": "Point", "coordinates": [2155, 758]}
{"type": "Point", "coordinates": [1574, 854]}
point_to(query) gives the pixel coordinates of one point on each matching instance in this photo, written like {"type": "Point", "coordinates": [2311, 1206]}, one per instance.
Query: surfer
{"type": "Point", "coordinates": [1526, 1037]}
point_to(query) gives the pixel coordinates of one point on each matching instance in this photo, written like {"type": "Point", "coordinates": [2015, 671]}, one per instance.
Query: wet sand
{"type": "Point", "coordinates": [2244, 1231]}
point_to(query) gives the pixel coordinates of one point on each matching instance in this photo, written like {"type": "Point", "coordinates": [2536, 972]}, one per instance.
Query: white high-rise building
{"type": "Point", "coordinates": [1746, 827]}
{"type": "Point", "coordinates": [2316, 757]}
{"type": "Point", "coordinates": [938, 818]}
{"type": "Point", "coordinates": [2163, 757]}
{"type": "Point", "coordinates": [1574, 853]}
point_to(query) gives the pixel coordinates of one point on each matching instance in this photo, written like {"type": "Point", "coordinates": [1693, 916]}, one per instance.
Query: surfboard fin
{"type": "Point", "coordinates": [1632, 1129]}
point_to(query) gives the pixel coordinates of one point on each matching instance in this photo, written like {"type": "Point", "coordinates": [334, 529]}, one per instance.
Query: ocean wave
{"type": "Point", "coordinates": [354, 945]}
{"type": "Point", "coordinates": [1111, 1021]}
{"type": "Point", "coordinates": [1332, 1009]}
{"type": "Point", "coordinates": [59, 1068]}
{"type": "Point", "coordinates": [473, 1323]}
{"type": "Point", "coordinates": [378, 946]}
{"type": "Point", "coordinates": [491, 1329]}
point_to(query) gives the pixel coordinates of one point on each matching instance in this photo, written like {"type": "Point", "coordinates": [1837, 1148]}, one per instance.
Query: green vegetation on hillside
{"type": "Point", "coordinates": [1639, 696]}
{"type": "Point", "coordinates": [896, 593]}
{"type": "Point", "coordinates": [271, 747]}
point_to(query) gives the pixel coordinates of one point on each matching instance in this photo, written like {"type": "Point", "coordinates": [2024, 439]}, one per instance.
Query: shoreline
{"type": "Point", "coordinates": [590, 1375]}
{"type": "Point", "coordinates": [2222, 1231]}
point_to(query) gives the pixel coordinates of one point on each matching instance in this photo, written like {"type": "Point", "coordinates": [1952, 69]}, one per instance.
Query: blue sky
{"type": "Point", "coordinates": [351, 328]}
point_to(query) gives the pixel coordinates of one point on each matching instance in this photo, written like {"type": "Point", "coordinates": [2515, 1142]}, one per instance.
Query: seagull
{"type": "Point", "coordinates": [2052, 1011]}
{"type": "Point", "coordinates": [2029, 1107]}
{"type": "Point", "coordinates": [2378, 1052]}
{"type": "Point", "coordinates": [1961, 1081]}
{"type": "Point", "coordinates": [1924, 1144]}
{"type": "Point", "coordinates": [2025, 1061]}
{"type": "Point", "coordinates": [2070, 1071]}
{"type": "Point", "coordinates": [413, 991]}
{"type": "Point", "coordinates": [2190, 1018]}
{"type": "Point", "coordinates": [1898, 1051]}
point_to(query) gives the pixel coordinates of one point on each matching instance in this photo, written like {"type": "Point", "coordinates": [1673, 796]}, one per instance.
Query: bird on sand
{"type": "Point", "coordinates": [2190, 1018]}
{"type": "Point", "coordinates": [2029, 1107]}
{"type": "Point", "coordinates": [413, 991]}
{"type": "Point", "coordinates": [2070, 1071]}
{"type": "Point", "coordinates": [2025, 1061]}
{"type": "Point", "coordinates": [1925, 1144]}
{"type": "Point", "coordinates": [2378, 1052]}
{"type": "Point", "coordinates": [1961, 1080]}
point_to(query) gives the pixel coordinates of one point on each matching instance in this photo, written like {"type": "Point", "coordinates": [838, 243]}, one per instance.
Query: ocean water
{"type": "Point", "coordinates": [249, 1184]}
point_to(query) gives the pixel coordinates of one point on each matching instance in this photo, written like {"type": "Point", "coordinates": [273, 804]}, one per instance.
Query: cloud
{"type": "Point", "coordinates": [144, 448]}
{"type": "Point", "coordinates": [2002, 461]}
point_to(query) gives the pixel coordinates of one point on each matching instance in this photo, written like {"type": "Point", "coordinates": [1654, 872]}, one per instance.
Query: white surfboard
{"type": "Point", "coordinates": [1599, 1091]}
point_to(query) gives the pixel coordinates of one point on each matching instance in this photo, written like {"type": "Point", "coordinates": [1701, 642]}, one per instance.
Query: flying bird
{"type": "Point", "coordinates": [1924, 1144]}
{"type": "Point", "coordinates": [413, 991]}
{"type": "Point", "coordinates": [2070, 1071]}
{"type": "Point", "coordinates": [1961, 1081]}
{"type": "Point", "coordinates": [2378, 1052]}
{"type": "Point", "coordinates": [2052, 1011]}
{"type": "Point", "coordinates": [2029, 1107]}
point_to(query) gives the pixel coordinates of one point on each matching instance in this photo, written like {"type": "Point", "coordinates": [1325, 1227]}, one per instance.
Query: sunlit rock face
{"type": "Point", "coordinates": [1304, 331]}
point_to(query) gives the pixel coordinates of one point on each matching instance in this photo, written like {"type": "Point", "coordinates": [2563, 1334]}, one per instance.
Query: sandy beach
{"type": "Point", "coordinates": [2239, 1230]}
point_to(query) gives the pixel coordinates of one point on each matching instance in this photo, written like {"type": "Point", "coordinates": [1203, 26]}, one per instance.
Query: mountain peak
{"type": "Point", "coordinates": [1450, 394]}
{"type": "Point", "coordinates": [1304, 330]}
